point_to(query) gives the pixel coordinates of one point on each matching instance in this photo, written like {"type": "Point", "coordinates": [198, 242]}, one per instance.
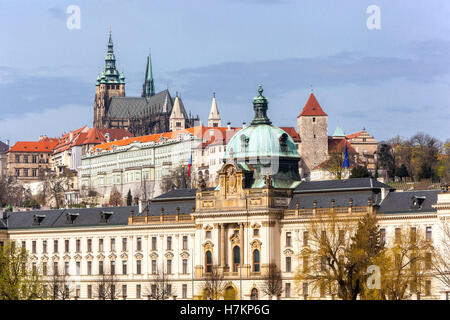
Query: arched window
{"type": "Point", "coordinates": [236, 258]}
{"type": "Point", "coordinates": [208, 258]}
{"type": "Point", "coordinates": [254, 294]}
{"type": "Point", "coordinates": [256, 261]}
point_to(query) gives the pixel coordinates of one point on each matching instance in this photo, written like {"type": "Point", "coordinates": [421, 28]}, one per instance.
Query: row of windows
{"type": "Point", "coordinates": [26, 172]}
{"type": "Point", "coordinates": [26, 158]}
{"type": "Point", "coordinates": [101, 244]}
{"type": "Point", "coordinates": [256, 260]}
{"type": "Point", "coordinates": [413, 230]}
{"type": "Point", "coordinates": [112, 267]}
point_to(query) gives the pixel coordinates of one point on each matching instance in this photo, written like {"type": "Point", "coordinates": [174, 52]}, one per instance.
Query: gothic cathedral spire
{"type": "Point", "coordinates": [148, 87]}
{"type": "Point", "coordinates": [214, 116]}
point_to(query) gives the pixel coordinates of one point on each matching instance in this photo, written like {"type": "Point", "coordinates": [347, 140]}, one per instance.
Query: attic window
{"type": "Point", "coordinates": [417, 202]}
{"type": "Point", "coordinates": [37, 219]}
{"type": "Point", "coordinates": [104, 216]}
{"type": "Point", "coordinates": [70, 217]}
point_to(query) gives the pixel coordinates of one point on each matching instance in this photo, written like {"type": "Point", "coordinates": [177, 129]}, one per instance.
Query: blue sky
{"type": "Point", "coordinates": [391, 81]}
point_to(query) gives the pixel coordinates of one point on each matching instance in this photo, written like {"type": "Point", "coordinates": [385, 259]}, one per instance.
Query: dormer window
{"type": "Point", "coordinates": [104, 216]}
{"type": "Point", "coordinates": [283, 142]}
{"type": "Point", "coordinates": [71, 216]}
{"type": "Point", "coordinates": [37, 219]}
{"type": "Point", "coordinates": [417, 202]}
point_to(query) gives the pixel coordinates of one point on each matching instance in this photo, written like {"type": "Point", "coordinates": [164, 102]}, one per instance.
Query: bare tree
{"type": "Point", "coordinates": [57, 185]}
{"type": "Point", "coordinates": [115, 197]}
{"type": "Point", "coordinates": [213, 286]}
{"type": "Point", "coordinates": [160, 287]}
{"type": "Point", "coordinates": [272, 285]}
{"type": "Point", "coordinates": [60, 285]}
{"type": "Point", "coordinates": [106, 286]}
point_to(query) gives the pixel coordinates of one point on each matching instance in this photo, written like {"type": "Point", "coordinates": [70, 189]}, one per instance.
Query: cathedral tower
{"type": "Point", "coordinates": [148, 89]}
{"type": "Point", "coordinates": [109, 84]}
{"type": "Point", "coordinates": [177, 119]}
{"type": "Point", "coordinates": [214, 116]}
{"type": "Point", "coordinates": [312, 124]}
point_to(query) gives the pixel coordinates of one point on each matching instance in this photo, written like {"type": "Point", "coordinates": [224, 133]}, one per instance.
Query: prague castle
{"type": "Point", "coordinates": [151, 113]}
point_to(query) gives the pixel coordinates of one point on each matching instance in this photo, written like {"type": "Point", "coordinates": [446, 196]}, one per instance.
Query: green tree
{"type": "Point", "coordinates": [19, 278]}
{"type": "Point", "coordinates": [359, 172]}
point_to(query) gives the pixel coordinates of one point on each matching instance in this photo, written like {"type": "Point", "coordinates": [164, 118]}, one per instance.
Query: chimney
{"type": "Point", "coordinates": [244, 125]}
{"type": "Point", "coordinates": [140, 205]}
{"type": "Point", "coordinates": [107, 137]}
{"type": "Point", "coordinates": [384, 193]}
{"type": "Point", "coordinates": [43, 137]}
{"type": "Point", "coordinates": [7, 142]}
{"type": "Point", "coordinates": [228, 125]}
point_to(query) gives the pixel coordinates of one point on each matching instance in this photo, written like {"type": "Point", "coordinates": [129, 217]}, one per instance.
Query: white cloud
{"type": "Point", "coordinates": [51, 122]}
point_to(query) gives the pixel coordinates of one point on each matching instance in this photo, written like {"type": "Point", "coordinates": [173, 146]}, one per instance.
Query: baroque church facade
{"type": "Point", "coordinates": [151, 113]}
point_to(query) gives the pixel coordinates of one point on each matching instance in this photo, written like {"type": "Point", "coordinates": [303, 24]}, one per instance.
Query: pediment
{"type": "Point", "coordinates": [124, 256]}
{"type": "Point", "coordinates": [184, 255]}
{"type": "Point", "coordinates": [153, 255]}
{"type": "Point", "coordinates": [169, 255]}
{"type": "Point", "coordinates": [288, 252]}
{"type": "Point", "coordinates": [138, 256]}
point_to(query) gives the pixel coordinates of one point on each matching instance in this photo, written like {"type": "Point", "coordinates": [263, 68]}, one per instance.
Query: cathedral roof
{"type": "Point", "coordinates": [137, 107]}
{"type": "Point", "coordinates": [312, 108]}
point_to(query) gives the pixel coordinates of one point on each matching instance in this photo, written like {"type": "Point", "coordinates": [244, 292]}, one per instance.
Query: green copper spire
{"type": "Point", "coordinates": [260, 107]}
{"type": "Point", "coordinates": [149, 87]}
{"type": "Point", "coordinates": [110, 75]}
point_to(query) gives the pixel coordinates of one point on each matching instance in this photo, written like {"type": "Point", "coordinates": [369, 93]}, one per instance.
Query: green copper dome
{"type": "Point", "coordinates": [264, 149]}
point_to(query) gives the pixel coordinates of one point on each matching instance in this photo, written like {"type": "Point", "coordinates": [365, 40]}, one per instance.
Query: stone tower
{"type": "Point", "coordinates": [214, 116]}
{"type": "Point", "coordinates": [177, 119]}
{"type": "Point", "coordinates": [109, 84]}
{"type": "Point", "coordinates": [312, 124]}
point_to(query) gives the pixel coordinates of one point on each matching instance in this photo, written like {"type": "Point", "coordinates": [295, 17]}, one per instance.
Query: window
{"type": "Point", "coordinates": [138, 244]}
{"type": "Point", "coordinates": [78, 267]}
{"type": "Point", "coordinates": [138, 291]}
{"type": "Point", "coordinates": [100, 245]}
{"type": "Point", "coordinates": [44, 246]}
{"type": "Point", "coordinates": [169, 266]}
{"type": "Point", "coordinates": [17, 172]}
{"type": "Point", "coordinates": [305, 288]}
{"type": "Point", "coordinates": [77, 292]}
{"type": "Point", "coordinates": [138, 267]}
{"type": "Point", "coordinates": [89, 245]}
{"type": "Point", "coordinates": [78, 245]}
{"type": "Point", "coordinates": [66, 268]}
{"type": "Point", "coordinates": [55, 268]}
{"type": "Point", "coordinates": [169, 243]}
{"type": "Point", "coordinates": [89, 291]}
{"type": "Point", "coordinates": [256, 261]}
{"type": "Point", "coordinates": [17, 159]}
{"type": "Point", "coordinates": [185, 266]}
{"type": "Point", "coordinates": [288, 264]}
{"type": "Point", "coordinates": [124, 267]}
{"type": "Point", "coordinates": [341, 236]}
{"type": "Point", "coordinates": [153, 243]}
{"type": "Point", "coordinates": [89, 268]}
{"type": "Point", "coordinates": [24, 245]}
{"type": "Point", "coordinates": [66, 246]}
{"type": "Point", "coordinates": [314, 119]}
{"type": "Point", "coordinates": [25, 159]}
{"type": "Point", "coordinates": [55, 245]}
{"type": "Point", "coordinates": [184, 291]}
{"type": "Point", "coordinates": [34, 159]}
{"type": "Point", "coordinates": [153, 290]}
{"type": "Point", "coordinates": [398, 234]}
{"type": "Point", "coordinates": [413, 235]}
{"type": "Point", "coordinates": [287, 290]}
{"type": "Point", "coordinates": [305, 238]}
{"type": "Point", "coordinates": [34, 268]}
{"type": "Point", "coordinates": [383, 236]}
{"type": "Point", "coordinates": [255, 232]}
{"type": "Point", "coordinates": [113, 267]}
{"type": "Point", "coordinates": [33, 246]}
{"type": "Point", "coordinates": [100, 267]}
{"type": "Point", "coordinates": [323, 237]}
{"type": "Point", "coordinates": [288, 239]}
{"type": "Point", "coordinates": [124, 244]}
{"type": "Point", "coordinates": [124, 291]}
{"type": "Point", "coordinates": [113, 244]}
{"type": "Point", "coordinates": [208, 234]}
{"type": "Point", "coordinates": [185, 242]}
{"type": "Point", "coordinates": [153, 266]}
{"type": "Point", "coordinates": [25, 172]}
{"type": "Point", "coordinates": [428, 287]}
{"type": "Point", "coordinates": [44, 291]}
{"type": "Point", "coordinates": [428, 261]}
{"type": "Point", "coordinates": [34, 172]}
{"type": "Point", "coordinates": [44, 268]}
{"type": "Point", "coordinates": [428, 234]}
{"type": "Point", "coordinates": [236, 258]}
{"type": "Point", "coordinates": [169, 289]}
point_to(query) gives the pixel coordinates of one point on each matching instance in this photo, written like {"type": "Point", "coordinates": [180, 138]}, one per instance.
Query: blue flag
{"type": "Point", "coordinates": [346, 163]}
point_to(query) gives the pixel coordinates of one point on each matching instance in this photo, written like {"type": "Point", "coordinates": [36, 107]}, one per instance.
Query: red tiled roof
{"type": "Point", "coordinates": [353, 135]}
{"type": "Point", "coordinates": [312, 107]}
{"type": "Point", "coordinates": [44, 145]}
{"type": "Point", "coordinates": [219, 135]}
{"type": "Point", "coordinates": [338, 145]}
{"type": "Point", "coordinates": [292, 132]}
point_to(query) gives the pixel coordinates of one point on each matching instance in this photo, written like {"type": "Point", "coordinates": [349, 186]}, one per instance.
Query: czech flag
{"type": "Point", "coordinates": [189, 166]}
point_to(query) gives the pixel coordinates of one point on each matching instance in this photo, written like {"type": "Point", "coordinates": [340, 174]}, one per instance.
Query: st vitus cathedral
{"type": "Point", "coordinates": [148, 114]}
